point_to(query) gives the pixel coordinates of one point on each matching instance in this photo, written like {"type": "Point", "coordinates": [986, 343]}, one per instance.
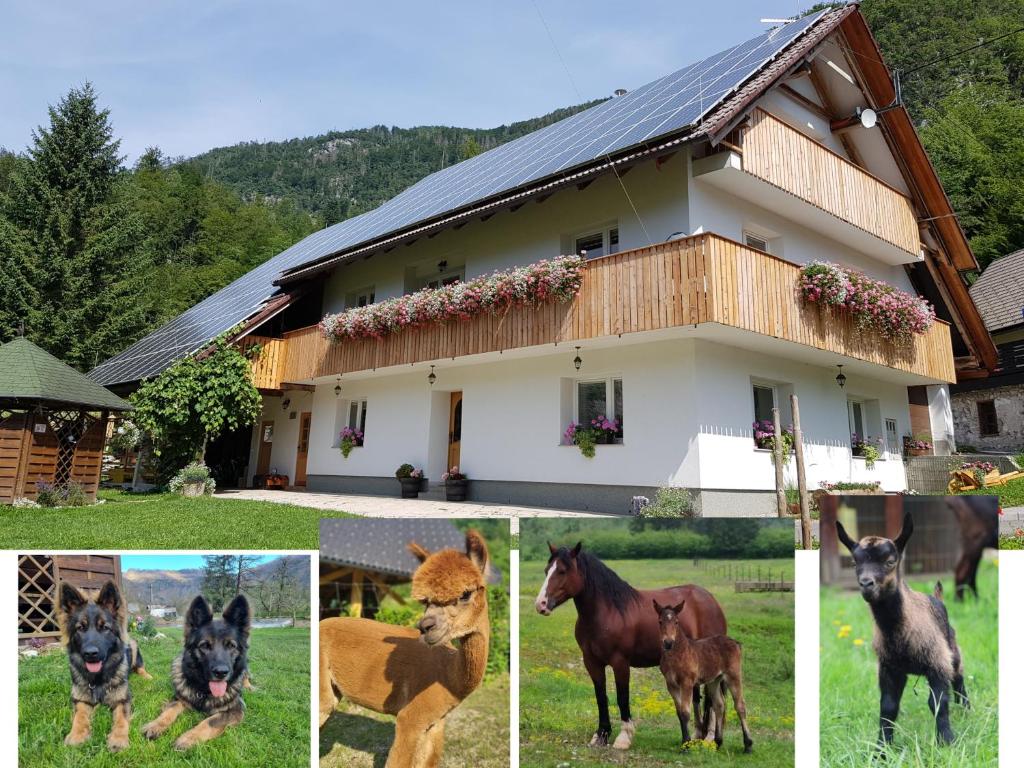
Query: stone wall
{"type": "Point", "coordinates": [1009, 401]}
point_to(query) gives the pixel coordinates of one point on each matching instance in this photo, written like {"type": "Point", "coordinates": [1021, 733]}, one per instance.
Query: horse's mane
{"type": "Point", "coordinates": [601, 582]}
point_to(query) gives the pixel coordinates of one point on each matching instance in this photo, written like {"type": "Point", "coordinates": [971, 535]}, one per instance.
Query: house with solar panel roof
{"type": "Point", "coordinates": [697, 202]}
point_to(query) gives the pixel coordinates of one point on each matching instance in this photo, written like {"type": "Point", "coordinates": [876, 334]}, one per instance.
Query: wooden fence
{"type": "Point", "coordinates": [39, 577]}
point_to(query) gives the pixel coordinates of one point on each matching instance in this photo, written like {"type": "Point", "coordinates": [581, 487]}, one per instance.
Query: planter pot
{"type": "Point", "coordinates": [919, 451]}
{"type": "Point", "coordinates": [410, 487]}
{"type": "Point", "coordinates": [194, 489]}
{"type": "Point", "coordinates": [794, 509]}
{"type": "Point", "coordinates": [455, 490]}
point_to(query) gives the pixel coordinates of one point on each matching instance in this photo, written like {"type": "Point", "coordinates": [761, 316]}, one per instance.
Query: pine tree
{"type": "Point", "coordinates": [17, 296]}
{"type": "Point", "coordinates": [70, 204]}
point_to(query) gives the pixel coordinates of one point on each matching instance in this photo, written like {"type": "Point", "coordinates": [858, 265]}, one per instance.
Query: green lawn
{"type": "Point", "coordinates": [163, 521]}
{"type": "Point", "coordinates": [476, 733]}
{"type": "Point", "coordinates": [558, 713]}
{"type": "Point", "coordinates": [849, 687]}
{"type": "Point", "coordinates": [1010, 495]}
{"type": "Point", "coordinates": [275, 731]}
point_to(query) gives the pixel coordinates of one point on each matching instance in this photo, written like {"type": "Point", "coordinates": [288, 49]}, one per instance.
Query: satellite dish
{"type": "Point", "coordinates": [868, 117]}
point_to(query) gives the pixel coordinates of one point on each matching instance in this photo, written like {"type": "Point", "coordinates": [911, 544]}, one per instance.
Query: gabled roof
{"type": "Point", "coordinates": [672, 109]}
{"type": "Point", "coordinates": [999, 292]}
{"type": "Point", "coordinates": [28, 374]}
{"type": "Point", "coordinates": [382, 546]}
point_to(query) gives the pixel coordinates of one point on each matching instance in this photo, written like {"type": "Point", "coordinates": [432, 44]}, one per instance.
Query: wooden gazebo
{"type": "Point", "coordinates": [362, 560]}
{"type": "Point", "coordinates": [53, 423]}
{"type": "Point", "coordinates": [39, 577]}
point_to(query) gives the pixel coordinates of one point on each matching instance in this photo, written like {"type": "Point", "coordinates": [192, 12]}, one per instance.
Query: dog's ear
{"type": "Point", "coordinates": [657, 607]}
{"type": "Point", "coordinates": [845, 537]}
{"type": "Point", "coordinates": [237, 614]}
{"type": "Point", "coordinates": [110, 598]}
{"type": "Point", "coordinates": [199, 614]}
{"type": "Point", "coordinates": [476, 551]}
{"type": "Point", "coordinates": [70, 598]}
{"type": "Point", "coordinates": [678, 609]}
{"type": "Point", "coordinates": [418, 552]}
{"type": "Point", "coordinates": [904, 537]}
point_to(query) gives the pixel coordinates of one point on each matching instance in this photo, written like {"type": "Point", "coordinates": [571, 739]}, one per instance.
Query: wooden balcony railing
{"type": "Point", "coordinates": [268, 365]}
{"type": "Point", "coordinates": [789, 160]}
{"type": "Point", "coordinates": [700, 279]}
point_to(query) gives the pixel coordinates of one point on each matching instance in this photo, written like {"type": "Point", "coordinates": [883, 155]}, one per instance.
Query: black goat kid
{"type": "Point", "coordinates": [913, 635]}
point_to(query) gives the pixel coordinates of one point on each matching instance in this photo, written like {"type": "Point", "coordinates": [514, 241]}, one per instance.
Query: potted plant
{"type": "Point", "coordinates": [867, 448]}
{"type": "Point", "coordinates": [983, 471]}
{"type": "Point", "coordinates": [584, 438]}
{"type": "Point", "coordinates": [764, 438]}
{"type": "Point", "coordinates": [454, 484]}
{"type": "Point", "coordinates": [605, 430]}
{"type": "Point", "coordinates": [192, 480]}
{"type": "Point", "coordinates": [350, 438]}
{"type": "Point", "coordinates": [920, 445]}
{"type": "Point", "coordinates": [411, 480]}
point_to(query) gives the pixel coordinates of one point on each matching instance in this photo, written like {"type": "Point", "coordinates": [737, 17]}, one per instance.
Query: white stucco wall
{"type": "Point", "coordinates": [688, 411]}
{"type": "Point", "coordinates": [286, 432]}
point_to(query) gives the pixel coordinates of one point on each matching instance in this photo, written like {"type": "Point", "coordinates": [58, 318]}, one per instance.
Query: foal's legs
{"type": "Point", "coordinates": [735, 685]}
{"type": "Point", "coordinates": [681, 695]}
{"type": "Point", "coordinates": [596, 670]}
{"type": "Point", "coordinates": [625, 738]}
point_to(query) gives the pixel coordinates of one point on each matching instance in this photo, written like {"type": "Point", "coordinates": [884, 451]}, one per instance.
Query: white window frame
{"type": "Point", "coordinates": [893, 447]}
{"type": "Point", "coordinates": [360, 420]}
{"type": "Point", "coordinates": [851, 421]}
{"type": "Point", "coordinates": [763, 385]}
{"type": "Point", "coordinates": [352, 297]}
{"type": "Point", "coordinates": [609, 399]}
{"type": "Point", "coordinates": [607, 247]}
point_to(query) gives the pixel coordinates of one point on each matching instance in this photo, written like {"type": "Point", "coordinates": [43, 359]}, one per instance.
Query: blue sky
{"type": "Point", "coordinates": [188, 76]}
{"type": "Point", "coordinates": [170, 562]}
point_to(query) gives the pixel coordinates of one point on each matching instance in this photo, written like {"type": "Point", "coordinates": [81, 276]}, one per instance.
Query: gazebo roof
{"type": "Point", "coordinates": [30, 375]}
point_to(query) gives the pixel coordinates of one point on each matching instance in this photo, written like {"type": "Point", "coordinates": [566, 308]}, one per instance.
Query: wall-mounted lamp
{"type": "Point", "coordinates": [841, 378]}
{"type": "Point", "coordinates": [432, 377]}
{"type": "Point", "coordinates": [337, 388]}
{"type": "Point", "coordinates": [285, 403]}
{"type": "Point", "coordinates": [442, 266]}
{"type": "Point", "coordinates": [577, 361]}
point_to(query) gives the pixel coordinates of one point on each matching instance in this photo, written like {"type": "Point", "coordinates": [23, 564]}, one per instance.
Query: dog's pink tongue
{"type": "Point", "coordinates": [218, 687]}
{"type": "Point", "coordinates": [94, 666]}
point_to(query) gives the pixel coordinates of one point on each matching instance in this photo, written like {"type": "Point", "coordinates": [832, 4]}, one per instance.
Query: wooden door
{"type": "Point", "coordinates": [455, 431]}
{"type": "Point", "coordinates": [266, 443]}
{"type": "Point", "coordinates": [303, 452]}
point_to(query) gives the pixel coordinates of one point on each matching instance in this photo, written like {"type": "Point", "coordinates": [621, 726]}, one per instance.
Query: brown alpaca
{"type": "Point", "coordinates": [416, 674]}
{"type": "Point", "coordinates": [714, 662]}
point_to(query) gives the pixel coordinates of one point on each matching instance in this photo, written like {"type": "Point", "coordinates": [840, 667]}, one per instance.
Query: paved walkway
{"type": "Point", "coordinates": [1011, 519]}
{"type": "Point", "coordinates": [391, 506]}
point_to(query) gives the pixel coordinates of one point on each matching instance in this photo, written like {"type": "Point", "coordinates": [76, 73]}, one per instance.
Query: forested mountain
{"type": "Point", "coordinates": [345, 173]}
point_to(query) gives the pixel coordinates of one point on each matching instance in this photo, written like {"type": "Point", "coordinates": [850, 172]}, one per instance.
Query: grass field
{"type": "Point", "coordinates": [849, 687]}
{"type": "Point", "coordinates": [163, 521]}
{"type": "Point", "coordinates": [476, 733]}
{"type": "Point", "coordinates": [1010, 495]}
{"type": "Point", "coordinates": [275, 732]}
{"type": "Point", "coordinates": [558, 713]}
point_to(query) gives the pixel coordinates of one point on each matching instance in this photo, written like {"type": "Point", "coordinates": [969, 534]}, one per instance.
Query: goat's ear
{"type": "Point", "coordinates": [576, 549]}
{"type": "Point", "coordinates": [678, 609]}
{"type": "Point", "coordinates": [476, 551]}
{"type": "Point", "coordinates": [418, 552]}
{"type": "Point", "coordinates": [657, 607]}
{"type": "Point", "coordinates": [845, 537]}
{"type": "Point", "coordinates": [904, 537]}
{"type": "Point", "coordinates": [552, 548]}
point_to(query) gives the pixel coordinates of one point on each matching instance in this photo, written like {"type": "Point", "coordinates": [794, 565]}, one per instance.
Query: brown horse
{"type": "Point", "coordinates": [616, 627]}
{"type": "Point", "coordinates": [978, 520]}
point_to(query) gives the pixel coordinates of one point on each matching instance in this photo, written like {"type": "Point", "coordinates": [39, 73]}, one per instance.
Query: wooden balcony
{"type": "Point", "coordinates": [705, 279]}
{"type": "Point", "coordinates": [267, 366]}
{"type": "Point", "coordinates": [779, 168]}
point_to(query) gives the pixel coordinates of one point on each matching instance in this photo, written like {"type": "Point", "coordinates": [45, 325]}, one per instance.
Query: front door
{"type": "Point", "coordinates": [455, 431]}
{"type": "Point", "coordinates": [266, 443]}
{"type": "Point", "coordinates": [303, 452]}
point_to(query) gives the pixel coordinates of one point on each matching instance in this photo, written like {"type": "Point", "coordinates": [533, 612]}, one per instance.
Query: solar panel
{"type": "Point", "coordinates": [664, 106]}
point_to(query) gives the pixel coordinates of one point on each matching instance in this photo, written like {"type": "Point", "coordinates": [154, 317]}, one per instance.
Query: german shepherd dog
{"type": "Point", "coordinates": [101, 654]}
{"type": "Point", "coordinates": [210, 673]}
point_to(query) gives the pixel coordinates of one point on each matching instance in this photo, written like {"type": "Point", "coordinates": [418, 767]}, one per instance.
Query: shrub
{"type": "Point", "coordinates": [126, 437]}
{"type": "Point", "coordinates": [844, 485]}
{"type": "Point", "coordinates": [391, 612]}
{"type": "Point", "coordinates": [408, 470]}
{"type": "Point", "coordinates": [70, 495]}
{"type": "Point", "coordinates": [196, 472]}
{"type": "Point", "coordinates": [148, 627]}
{"type": "Point", "coordinates": [670, 502]}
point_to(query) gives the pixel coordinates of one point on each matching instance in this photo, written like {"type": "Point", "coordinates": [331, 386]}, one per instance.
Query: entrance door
{"type": "Point", "coordinates": [455, 431]}
{"type": "Point", "coordinates": [266, 443]}
{"type": "Point", "coordinates": [303, 452]}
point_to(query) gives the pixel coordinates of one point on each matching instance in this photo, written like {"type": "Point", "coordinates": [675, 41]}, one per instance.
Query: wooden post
{"type": "Point", "coordinates": [778, 458]}
{"type": "Point", "coordinates": [355, 607]}
{"type": "Point", "coordinates": [801, 476]}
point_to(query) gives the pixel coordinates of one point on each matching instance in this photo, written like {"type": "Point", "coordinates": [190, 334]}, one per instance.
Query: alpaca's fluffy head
{"type": "Point", "coordinates": [452, 586]}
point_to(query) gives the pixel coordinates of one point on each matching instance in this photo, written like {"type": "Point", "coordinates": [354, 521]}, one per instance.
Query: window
{"type": "Point", "coordinates": [892, 437]}
{"type": "Point", "coordinates": [599, 243]}
{"type": "Point", "coordinates": [599, 398]}
{"type": "Point", "coordinates": [756, 241]}
{"type": "Point", "coordinates": [357, 415]}
{"type": "Point", "coordinates": [449, 278]}
{"type": "Point", "coordinates": [988, 422]}
{"type": "Point", "coordinates": [360, 298]}
{"type": "Point", "coordinates": [856, 409]}
{"type": "Point", "coordinates": [764, 401]}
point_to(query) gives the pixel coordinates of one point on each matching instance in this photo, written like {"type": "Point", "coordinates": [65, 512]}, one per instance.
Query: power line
{"type": "Point", "coordinates": [953, 55]}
